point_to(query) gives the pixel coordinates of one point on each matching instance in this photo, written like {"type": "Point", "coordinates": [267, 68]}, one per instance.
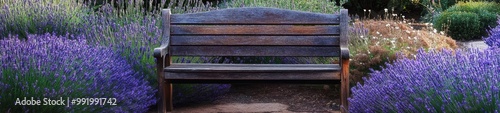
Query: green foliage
{"type": "Point", "coordinates": [321, 6]}
{"type": "Point", "coordinates": [467, 21]}
{"type": "Point", "coordinates": [433, 9]}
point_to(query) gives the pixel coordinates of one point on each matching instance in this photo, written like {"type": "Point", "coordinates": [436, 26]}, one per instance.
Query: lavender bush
{"type": "Point", "coordinates": [24, 17]}
{"type": "Point", "coordinates": [464, 81]}
{"type": "Point", "coordinates": [493, 40]}
{"type": "Point", "coordinates": [49, 66]}
{"type": "Point", "coordinates": [134, 34]}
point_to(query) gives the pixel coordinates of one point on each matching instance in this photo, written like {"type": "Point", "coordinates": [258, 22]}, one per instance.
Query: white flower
{"type": "Point", "coordinates": [435, 31]}
{"type": "Point", "coordinates": [388, 25]}
{"type": "Point", "coordinates": [403, 16]}
{"type": "Point", "coordinates": [407, 31]}
{"type": "Point", "coordinates": [397, 27]}
{"type": "Point", "coordinates": [441, 32]}
{"type": "Point", "coordinates": [369, 10]}
{"type": "Point", "coordinates": [378, 32]}
{"type": "Point", "coordinates": [364, 10]}
{"type": "Point", "coordinates": [394, 14]}
{"type": "Point", "coordinates": [386, 10]}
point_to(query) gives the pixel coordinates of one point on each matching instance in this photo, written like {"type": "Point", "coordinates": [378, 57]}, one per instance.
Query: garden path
{"type": "Point", "coordinates": [474, 44]}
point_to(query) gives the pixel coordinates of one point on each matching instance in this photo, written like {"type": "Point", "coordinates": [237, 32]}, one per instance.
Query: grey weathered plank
{"type": "Point", "coordinates": [254, 16]}
{"type": "Point", "coordinates": [254, 51]}
{"type": "Point", "coordinates": [255, 40]}
{"type": "Point", "coordinates": [253, 30]}
{"type": "Point", "coordinates": [254, 76]}
{"type": "Point", "coordinates": [344, 28]}
{"type": "Point", "coordinates": [191, 67]}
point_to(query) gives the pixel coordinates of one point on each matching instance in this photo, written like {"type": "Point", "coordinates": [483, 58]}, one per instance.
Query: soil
{"type": "Point", "coordinates": [299, 98]}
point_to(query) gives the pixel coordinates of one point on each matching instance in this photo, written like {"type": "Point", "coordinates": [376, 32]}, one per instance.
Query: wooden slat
{"type": "Point", "coordinates": [255, 16]}
{"type": "Point", "coordinates": [191, 67]}
{"type": "Point", "coordinates": [215, 81]}
{"type": "Point", "coordinates": [255, 40]}
{"type": "Point", "coordinates": [254, 76]}
{"type": "Point", "coordinates": [344, 27]}
{"type": "Point", "coordinates": [254, 51]}
{"type": "Point", "coordinates": [253, 30]}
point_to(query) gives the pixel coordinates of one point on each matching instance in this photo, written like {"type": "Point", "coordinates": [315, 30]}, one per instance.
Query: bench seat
{"type": "Point", "coordinates": [184, 71]}
{"type": "Point", "coordinates": [193, 67]}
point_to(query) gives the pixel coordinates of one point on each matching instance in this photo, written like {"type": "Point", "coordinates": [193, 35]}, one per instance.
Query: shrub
{"type": "Point", "coordinates": [460, 25]}
{"type": "Point", "coordinates": [493, 40]}
{"type": "Point", "coordinates": [467, 21]}
{"type": "Point", "coordinates": [49, 66]}
{"type": "Point", "coordinates": [22, 17]}
{"type": "Point", "coordinates": [376, 42]}
{"type": "Point", "coordinates": [464, 81]}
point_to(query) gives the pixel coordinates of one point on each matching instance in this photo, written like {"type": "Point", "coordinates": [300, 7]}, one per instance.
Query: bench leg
{"type": "Point", "coordinates": [344, 87]}
{"type": "Point", "coordinates": [168, 95]}
{"type": "Point", "coordinates": [165, 92]}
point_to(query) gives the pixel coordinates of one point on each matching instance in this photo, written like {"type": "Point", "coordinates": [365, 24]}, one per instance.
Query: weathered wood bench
{"type": "Point", "coordinates": [252, 32]}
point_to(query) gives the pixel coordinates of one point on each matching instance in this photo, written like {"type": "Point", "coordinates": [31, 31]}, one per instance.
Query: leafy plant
{"type": "Point", "coordinates": [464, 81]}
{"type": "Point", "coordinates": [50, 66]}
{"type": "Point", "coordinates": [467, 21]}
{"type": "Point", "coordinates": [460, 25]}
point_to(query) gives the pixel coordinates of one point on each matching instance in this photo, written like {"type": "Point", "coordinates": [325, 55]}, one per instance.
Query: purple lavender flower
{"type": "Point", "coordinates": [49, 66]}
{"type": "Point", "coordinates": [493, 40]}
{"type": "Point", "coordinates": [465, 81]}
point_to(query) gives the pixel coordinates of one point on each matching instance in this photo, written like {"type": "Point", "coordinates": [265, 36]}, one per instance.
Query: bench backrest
{"type": "Point", "coordinates": [255, 32]}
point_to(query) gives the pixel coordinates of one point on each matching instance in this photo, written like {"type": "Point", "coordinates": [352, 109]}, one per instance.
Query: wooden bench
{"type": "Point", "coordinates": [252, 32]}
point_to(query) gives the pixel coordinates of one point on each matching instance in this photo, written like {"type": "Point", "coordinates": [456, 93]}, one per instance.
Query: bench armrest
{"type": "Point", "coordinates": [344, 53]}
{"type": "Point", "coordinates": [160, 52]}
